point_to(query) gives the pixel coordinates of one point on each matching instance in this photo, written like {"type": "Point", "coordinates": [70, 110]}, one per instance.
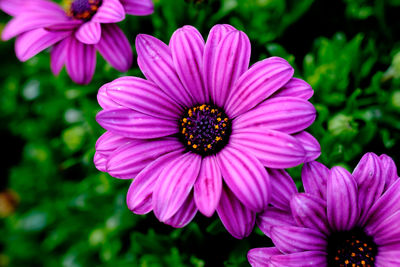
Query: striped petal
{"type": "Point", "coordinates": [301, 259]}
{"type": "Point", "coordinates": [184, 215]}
{"type": "Point", "coordinates": [389, 170]}
{"type": "Point", "coordinates": [175, 184]}
{"type": "Point", "coordinates": [109, 142]}
{"type": "Point", "coordinates": [58, 56]}
{"type": "Point", "coordinates": [310, 145]}
{"type": "Point", "coordinates": [138, 7]}
{"type": "Point", "coordinates": [115, 47]}
{"type": "Point", "coordinates": [110, 11]}
{"type": "Point", "coordinates": [260, 257]}
{"type": "Point", "coordinates": [315, 176]}
{"type": "Point", "coordinates": [258, 83]}
{"type": "Point", "coordinates": [282, 187]}
{"type": "Point", "coordinates": [296, 88]}
{"type": "Point", "coordinates": [274, 217]}
{"type": "Point", "coordinates": [387, 232]}
{"type": "Point", "coordinates": [104, 99]}
{"type": "Point", "coordinates": [89, 33]}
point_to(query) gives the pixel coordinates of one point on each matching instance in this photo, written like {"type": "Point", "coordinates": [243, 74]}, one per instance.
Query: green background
{"type": "Point", "coordinates": [63, 212]}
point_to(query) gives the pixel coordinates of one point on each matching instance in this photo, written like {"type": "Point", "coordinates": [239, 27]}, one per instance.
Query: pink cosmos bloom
{"type": "Point", "coordinates": [342, 219]}
{"type": "Point", "coordinates": [198, 132]}
{"type": "Point", "coordinates": [76, 34]}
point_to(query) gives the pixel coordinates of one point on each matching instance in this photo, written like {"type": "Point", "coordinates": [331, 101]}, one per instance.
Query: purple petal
{"type": "Point", "coordinates": [16, 7]}
{"type": "Point", "coordinates": [273, 149]}
{"type": "Point", "coordinates": [187, 46]}
{"type": "Point", "coordinates": [89, 33]}
{"type": "Point", "coordinates": [138, 7]}
{"type": "Point", "coordinates": [217, 33]}
{"type": "Point", "coordinates": [388, 256]}
{"type": "Point", "coordinates": [291, 239]}
{"type": "Point", "coordinates": [286, 114]}
{"type": "Point", "coordinates": [58, 56]}
{"type": "Point", "coordinates": [259, 257]}
{"type": "Point", "coordinates": [282, 188]}
{"type": "Point", "coordinates": [110, 11]}
{"type": "Point", "coordinates": [80, 61]}
{"type": "Point", "coordinates": [385, 206]}
{"type": "Point", "coordinates": [389, 170]}
{"type": "Point", "coordinates": [303, 259]}
{"type": "Point", "coordinates": [370, 182]}
{"type": "Point", "coordinates": [109, 142]}
{"type": "Point", "coordinates": [207, 189]}
{"type": "Point", "coordinates": [315, 176]}
{"type": "Point", "coordinates": [245, 176]}
{"type": "Point", "coordinates": [130, 159]}
{"type": "Point", "coordinates": [184, 215]}
{"type": "Point", "coordinates": [104, 99]}
{"type": "Point", "coordinates": [387, 232]}
{"type": "Point", "coordinates": [258, 83]}
{"type": "Point", "coordinates": [143, 96]}
{"type": "Point", "coordinates": [273, 217]}
{"type": "Point", "coordinates": [155, 61]}
{"type": "Point", "coordinates": [296, 88]}
{"type": "Point", "coordinates": [133, 124]}
{"type": "Point", "coordinates": [310, 145]}
{"type": "Point", "coordinates": [33, 42]}
{"type": "Point", "coordinates": [232, 58]}
{"type": "Point", "coordinates": [140, 193]}
{"type": "Point", "coordinates": [175, 184]}
{"type": "Point", "coordinates": [310, 211]}
{"type": "Point", "coordinates": [342, 202]}
{"type": "Point", "coordinates": [237, 219]}
{"type": "Point", "coordinates": [100, 161]}
{"type": "Point", "coordinates": [115, 47]}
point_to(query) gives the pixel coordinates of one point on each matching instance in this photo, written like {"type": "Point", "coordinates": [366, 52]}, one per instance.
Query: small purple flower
{"type": "Point", "coordinates": [197, 134]}
{"type": "Point", "coordinates": [342, 219]}
{"type": "Point", "coordinates": [76, 34]}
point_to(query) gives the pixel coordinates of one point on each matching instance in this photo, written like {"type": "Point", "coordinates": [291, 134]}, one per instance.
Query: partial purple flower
{"type": "Point", "coordinates": [342, 219]}
{"type": "Point", "coordinates": [198, 133]}
{"type": "Point", "coordinates": [75, 34]}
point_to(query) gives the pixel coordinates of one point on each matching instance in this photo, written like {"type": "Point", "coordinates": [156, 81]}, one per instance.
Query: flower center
{"type": "Point", "coordinates": [204, 129]}
{"type": "Point", "coordinates": [84, 9]}
{"type": "Point", "coordinates": [351, 248]}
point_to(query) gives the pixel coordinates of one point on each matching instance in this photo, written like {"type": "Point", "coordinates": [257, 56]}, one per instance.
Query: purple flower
{"type": "Point", "coordinates": [342, 219]}
{"type": "Point", "coordinates": [76, 34]}
{"type": "Point", "coordinates": [197, 134]}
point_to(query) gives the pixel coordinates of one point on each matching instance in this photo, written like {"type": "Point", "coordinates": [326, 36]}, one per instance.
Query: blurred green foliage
{"type": "Point", "coordinates": [69, 214]}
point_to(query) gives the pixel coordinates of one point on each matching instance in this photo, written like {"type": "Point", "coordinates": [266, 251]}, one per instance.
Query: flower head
{"type": "Point", "coordinates": [342, 219]}
{"type": "Point", "coordinates": [74, 33]}
{"type": "Point", "coordinates": [198, 133]}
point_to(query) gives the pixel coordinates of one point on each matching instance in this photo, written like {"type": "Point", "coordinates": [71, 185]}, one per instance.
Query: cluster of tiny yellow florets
{"type": "Point", "coordinates": [359, 249]}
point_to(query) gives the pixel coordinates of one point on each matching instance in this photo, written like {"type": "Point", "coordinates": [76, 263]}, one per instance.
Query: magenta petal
{"type": "Point", "coordinates": [128, 160]}
{"type": "Point", "coordinates": [58, 56]}
{"type": "Point", "coordinates": [245, 176]}
{"type": "Point", "coordinates": [175, 184]}
{"type": "Point", "coordinates": [310, 145]}
{"type": "Point", "coordinates": [385, 206]}
{"type": "Point", "coordinates": [342, 201]}
{"type": "Point", "coordinates": [140, 193]}
{"type": "Point", "coordinates": [143, 96]}
{"type": "Point", "coordinates": [89, 33]}
{"type": "Point", "coordinates": [104, 99]}
{"type": "Point", "coordinates": [274, 149]}
{"type": "Point", "coordinates": [187, 46]}
{"type": "Point", "coordinates": [303, 259]}
{"type": "Point", "coordinates": [370, 182]}
{"type": "Point", "coordinates": [155, 61]}
{"type": "Point", "coordinates": [133, 124]}
{"type": "Point", "coordinates": [110, 11]}
{"type": "Point", "coordinates": [217, 33]}
{"type": "Point", "coordinates": [207, 189]}
{"type": "Point", "coordinates": [296, 88]}
{"type": "Point", "coordinates": [81, 61]}
{"type": "Point", "coordinates": [387, 232]}
{"type": "Point", "coordinates": [100, 161]}
{"type": "Point", "coordinates": [286, 114]}
{"type": "Point", "coordinates": [184, 215]}
{"type": "Point", "coordinates": [273, 217]}
{"type": "Point", "coordinates": [33, 42]}
{"type": "Point", "coordinates": [389, 170]}
{"type": "Point", "coordinates": [237, 219]}
{"type": "Point", "coordinates": [258, 83]}
{"type": "Point", "coordinates": [16, 7]}
{"type": "Point", "coordinates": [291, 239]}
{"type": "Point", "coordinates": [388, 256]}
{"type": "Point", "coordinates": [109, 142]}
{"type": "Point", "coordinates": [315, 176]}
{"type": "Point", "coordinates": [138, 7]}
{"type": "Point", "coordinates": [260, 257]}
{"type": "Point", "coordinates": [232, 58]}
{"type": "Point", "coordinates": [282, 188]}
{"type": "Point", "coordinates": [310, 211]}
{"type": "Point", "coordinates": [115, 47]}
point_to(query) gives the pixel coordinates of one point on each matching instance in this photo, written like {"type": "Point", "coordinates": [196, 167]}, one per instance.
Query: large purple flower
{"type": "Point", "coordinates": [342, 219]}
{"type": "Point", "coordinates": [197, 134]}
{"type": "Point", "coordinates": [76, 34]}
